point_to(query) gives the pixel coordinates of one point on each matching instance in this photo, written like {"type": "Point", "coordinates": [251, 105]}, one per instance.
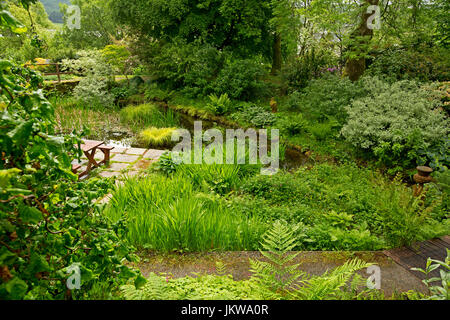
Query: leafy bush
{"type": "Point", "coordinates": [48, 221]}
{"type": "Point", "coordinates": [327, 96]}
{"type": "Point", "coordinates": [291, 124]}
{"type": "Point", "coordinates": [441, 292]}
{"type": "Point", "coordinates": [427, 65]}
{"type": "Point", "coordinates": [256, 116]}
{"type": "Point", "coordinates": [395, 122]}
{"type": "Point", "coordinates": [241, 80]}
{"type": "Point", "coordinates": [93, 87]}
{"type": "Point", "coordinates": [299, 71]}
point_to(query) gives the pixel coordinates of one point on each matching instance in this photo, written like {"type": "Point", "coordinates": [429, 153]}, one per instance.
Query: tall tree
{"type": "Point", "coordinates": [359, 46]}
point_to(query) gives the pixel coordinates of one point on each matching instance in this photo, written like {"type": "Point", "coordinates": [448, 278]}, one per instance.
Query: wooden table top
{"type": "Point", "coordinates": [90, 145]}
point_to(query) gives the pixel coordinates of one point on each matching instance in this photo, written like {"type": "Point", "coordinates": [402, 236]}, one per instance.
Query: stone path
{"type": "Point", "coordinates": [394, 278]}
{"type": "Point", "coordinates": [125, 162]}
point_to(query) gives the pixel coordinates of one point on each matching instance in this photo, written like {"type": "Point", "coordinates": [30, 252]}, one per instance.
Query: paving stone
{"type": "Point", "coordinates": [118, 166]}
{"type": "Point", "coordinates": [154, 154]}
{"type": "Point", "coordinates": [136, 151]}
{"type": "Point", "coordinates": [109, 174]}
{"type": "Point", "coordinates": [125, 158]}
{"type": "Point", "coordinates": [117, 150]}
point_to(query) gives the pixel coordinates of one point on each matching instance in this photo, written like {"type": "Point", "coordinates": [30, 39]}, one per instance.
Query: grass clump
{"type": "Point", "coordinates": [156, 137]}
{"type": "Point", "coordinates": [167, 214]}
{"type": "Point", "coordinates": [148, 114]}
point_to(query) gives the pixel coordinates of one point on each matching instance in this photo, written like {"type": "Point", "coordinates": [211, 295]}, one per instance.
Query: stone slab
{"type": "Point", "coordinates": [136, 151]}
{"type": "Point", "coordinates": [125, 158]}
{"type": "Point", "coordinates": [154, 154]}
{"type": "Point", "coordinates": [115, 166]}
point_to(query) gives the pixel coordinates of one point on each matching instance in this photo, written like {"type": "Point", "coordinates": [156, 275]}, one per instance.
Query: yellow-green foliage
{"type": "Point", "coordinates": [138, 114]}
{"type": "Point", "coordinates": [157, 137]}
{"type": "Point", "coordinates": [148, 114]}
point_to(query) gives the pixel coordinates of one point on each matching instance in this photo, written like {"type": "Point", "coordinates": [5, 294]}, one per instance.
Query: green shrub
{"type": "Point", "coordinates": [299, 71]}
{"type": "Point", "coordinates": [395, 122]}
{"type": "Point", "coordinates": [256, 116]}
{"type": "Point", "coordinates": [241, 80]}
{"type": "Point", "coordinates": [426, 65]}
{"type": "Point", "coordinates": [291, 124]}
{"type": "Point", "coordinates": [327, 96]}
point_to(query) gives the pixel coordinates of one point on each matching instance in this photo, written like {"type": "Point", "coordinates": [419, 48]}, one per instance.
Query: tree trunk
{"type": "Point", "coordinates": [355, 67]}
{"type": "Point", "coordinates": [277, 55]}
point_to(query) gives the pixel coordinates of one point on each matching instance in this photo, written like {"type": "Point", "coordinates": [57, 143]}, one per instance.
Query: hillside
{"type": "Point", "coordinates": [52, 8]}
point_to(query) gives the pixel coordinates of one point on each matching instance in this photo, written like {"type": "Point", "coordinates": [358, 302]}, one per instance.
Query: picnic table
{"type": "Point", "coordinates": [89, 149]}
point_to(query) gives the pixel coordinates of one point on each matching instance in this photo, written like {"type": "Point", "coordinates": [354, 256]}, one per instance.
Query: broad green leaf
{"type": "Point", "coordinates": [17, 288]}
{"type": "Point", "coordinates": [30, 214]}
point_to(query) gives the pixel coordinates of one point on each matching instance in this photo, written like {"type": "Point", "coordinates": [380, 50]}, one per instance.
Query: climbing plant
{"type": "Point", "coordinates": [48, 222]}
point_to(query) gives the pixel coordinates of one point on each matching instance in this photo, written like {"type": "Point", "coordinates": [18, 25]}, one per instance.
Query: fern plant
{"type": "Point", "coordinates": [278, 273]}
{"type": "Point", "coordinates": [281, 276]}
{"type": "Point", "coordinates": [219, 105]}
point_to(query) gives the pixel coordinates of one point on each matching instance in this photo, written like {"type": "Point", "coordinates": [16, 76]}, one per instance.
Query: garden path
{"type": "Point", "coordinates": [125, 162]}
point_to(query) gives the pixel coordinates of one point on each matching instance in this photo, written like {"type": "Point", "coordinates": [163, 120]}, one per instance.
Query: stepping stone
{"type": "Point", "coordinates": [118, 166]}
{"type": "Point", "coordinates": [125, 158]}
{"type": "Point", "coordinates": [118, 150]}
{"type": "Point", "coordinates": [109, 174]}
{"type": "Point", "coordinates": [136, 151]}
{"type": "Point", "coordinates": [154, 154]}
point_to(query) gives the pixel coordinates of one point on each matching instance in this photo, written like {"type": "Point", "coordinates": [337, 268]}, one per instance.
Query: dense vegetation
{"type": "Point", "coordinates": [360, 108]}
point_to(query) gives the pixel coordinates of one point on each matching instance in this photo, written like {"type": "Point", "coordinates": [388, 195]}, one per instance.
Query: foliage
{"type": "Point", "coordinates": [421, 65]}
{"type": "Point", "coordinates": [165, 213]}
{"type": "Point", "coordinates": [241, 80]}
{"type": "Point", "coordinates": [395, 122]}
{"type": "Point", "coordinates": [47, 220]}
{"type": "Point", "coordinates": [93, 87]}
{"type": "Point", "coordinates": [255, 115]}
{"type": "Point", "coordinates": [327, 97]}
{"type": "Point", "coordinates": [148, 114]}
{"type": "Point", "coordinates": [219, 105]}
{"type": "Point", "coordinates": [156, 137]}
{"type": "Point", "coordinates": [278, 273]}
{"type": "Point", "coordinates": [370, 212]}
{"type": "Point", "coordinates": [438, 292]}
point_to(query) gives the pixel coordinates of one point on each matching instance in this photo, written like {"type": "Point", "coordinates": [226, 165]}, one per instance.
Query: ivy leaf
{"type": "Point", "coordinates": [17, 288]}
{"type": "Point", "coordinates": [37, 264]}
{"type": "Point", "coordinates": [6, 256]}
{"type": "Point", "coordinates": [22, 132]}
{"type": "Point", "coordinates": [30, 214]}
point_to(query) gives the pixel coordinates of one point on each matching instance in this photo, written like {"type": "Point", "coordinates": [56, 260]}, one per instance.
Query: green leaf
{"type": "Point", "coordinates": [140, 281]}
{"type": "Point", "coordinates": [30, 214]}
{"type": "Point", "coordinates": [9, 21]}
{"type": "Point", "coordinates": [17, 288]}
{"type": "Point", "coordinates": [6, 175]}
